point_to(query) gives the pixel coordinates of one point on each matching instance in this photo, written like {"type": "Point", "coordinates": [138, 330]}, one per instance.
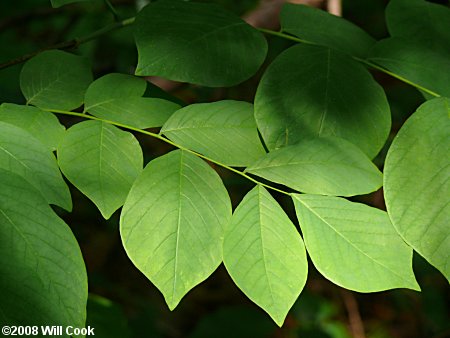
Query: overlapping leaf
{"type": "Point", "coordinates": [426, 67]}
{"type": "Point", "coordinates": [118, 97]}
{"type": "Point", "coordinates": [197, 43]}
{"type": "Point", "coordinates": [326, 166]}
{"type": "Point", "coordinates": [172, 223]}
{"type": "Point", "coordinates": [417, 182]}
{"type": "Point", "coordinates": [325, 29]}
{"type": "Point", "coordinates": [55, 80]}
{"type": "Point", "coordinates": [354, 245]}
{"type": "Point", "coordinates": [41, 124]}
{"type": "Point", "coordinates": [314, 91]}
{"type": "Point", "coordinates": [43, 277]}
{"type": "Point", "coordinates": [264, 254]}
{"type": "Point", "coordinates": [26, 156]}
{"type": "Point", "coordinates": [102, 161]}
{"type": "Point", "coordinates": [224, 131]}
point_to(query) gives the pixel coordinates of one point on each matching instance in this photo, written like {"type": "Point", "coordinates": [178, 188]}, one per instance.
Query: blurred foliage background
{"type": "Point", "coordinates": [122, 302]}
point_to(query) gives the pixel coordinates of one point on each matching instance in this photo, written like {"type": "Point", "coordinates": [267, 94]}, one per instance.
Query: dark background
{"type": "Point", "coordinates": [122, 302]}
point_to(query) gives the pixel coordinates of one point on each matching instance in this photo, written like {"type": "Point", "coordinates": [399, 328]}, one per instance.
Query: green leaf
{"type": "Point", "coordinates": [417, 182]}
{"type": "Point", "coordinates": [197, 43]}
{"type": "Point", "coordinates": [59, 3]}
{"type": "Point", "coordinates": [406, 58]}
{"type": "Point", "coordinates": [323, 28]}
{"type": "Point", "coordinates": [43, 277]}
{"type": "Point", "coordinates": [264, 254]}
{"type": "Point", "coordinates": [55, 80]}
{"type": "Point", "coordinates": [102, 161]}
{"type": "Point", "coordinates": [420, 21]}
{"type": "Point", "coordinates": [354, 245]}
{"type": "Point", "coordinates": [313, 91]}
{"type": "Point", "coordinates": [41, 124]}
{"type": "Point", "coordinates": [26, 156]}
{"type": "Point", "coordinates": [224, 131]}
{"type": "Point", "coordinates": [325, 166]}
{"type": "Point", "coordinates": [118, 97]}
{"type": "Point", "coordinates": [172, 223]}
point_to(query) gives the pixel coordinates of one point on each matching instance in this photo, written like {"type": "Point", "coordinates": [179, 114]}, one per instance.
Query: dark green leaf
{"type": "Point", "coordinates": [172, 223]}
{"type": "Point", "coordinates": [325, 166]}
{"type": "Point", "coordinates": [323, 28]}
{"type": "Point", "coordinates": [264, 254]}
{"type": "Point", "coordinates": [313, 91]}
{"type": "Point", "coordinates": [26, 156]}
{"type": "Point", "coordinates": [59, 3]}
{"type": "Point", "coordinates": [413, 61]}
{"type": "Point", "coordinates": [43, 277]}
{"type": "Point", "coordinates": [118, 98]}
{"type": "Point", "coordinates": [41, 124]}
{"type": "Point", "coordinates": [55, 80]}
{"type": "Point", "coordinates": [197, 43]}
{"type": "Point", "coordinates": [417, 182]}
{"type": "Point", "coordinates": [225, 131]}
{"type": "Point", "coordinates": [354, 245]}
{"type": "Point", "coordinates": [102, 161]}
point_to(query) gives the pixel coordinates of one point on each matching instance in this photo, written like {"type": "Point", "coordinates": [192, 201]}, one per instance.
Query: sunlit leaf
{"type": "Point", "coordinates": [224, 131]}
{"type": "Point", "coordinates": [354, 245]}
{"type": "Point", "coordinates": [102, 161]}
{"type": "Point", "coordinates": [172, 223]}
{"type": "Point", "coordinates": [118, 98]}
{"type": "Point", "coordinates": [26, 156]}
{"type": "Point", "coordinates": [417, 182]}
{"type": "Point", "coordinates": [264, 254]}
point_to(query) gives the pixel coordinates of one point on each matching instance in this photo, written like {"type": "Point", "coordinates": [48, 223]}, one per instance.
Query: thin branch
{"type": "Point", "coordinates": [70, 44]}
{"type": "Point", "coordinates": [166, 140]}
{"type": "Point", "coordinates": [112, 10]}
{"type": "Point", "coordinates": [354, 317]}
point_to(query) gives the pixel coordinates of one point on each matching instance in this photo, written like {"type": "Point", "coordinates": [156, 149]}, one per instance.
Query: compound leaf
{"type": "Point", "coordinates": [323, 28]}
{"type": "Point", "coordinates": [26, 156]}
{"type": "Point", "coordinates": [224, 131]}
{"type": "Point", "coordinates": [118, 97]}
{"type": "Point", "coordinates": [41, 124]}
{"type": "Point", "coordinates": [264, 254]}
{"type": "Point", "coordinates": [43, 279]}
{"type": "Point", "coordinates": [102, 161]}
{"type": "Point", "coordinates": [417, 182]}
{"type": "Point", "coordinates": [172, 223]}
{"type": "Point", "coordinates": [311, 91]}
{"type": "Point", "coordinates": [354, 245]}
{"type": "Point", "coordinates": [325, 166]}
{"type": "Point", "coordinates": [55, 80]}
{"type": "Point", "coordinates": [197, 43]}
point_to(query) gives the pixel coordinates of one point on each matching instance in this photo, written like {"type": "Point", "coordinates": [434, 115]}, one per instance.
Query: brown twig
{"type": "Point", "coordinates": [355, 322]}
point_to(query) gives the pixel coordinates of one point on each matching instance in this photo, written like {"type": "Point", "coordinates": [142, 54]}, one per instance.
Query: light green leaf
{"type": "Point", "coordinates": [421, 21]}
{"type": "Point", "coordinates": [264, 254]}
{"type": "Point", "coordinates": [417, 182]}
{"type": "Point", "coordinates": [323, 28]}
{"type": "Point", "coordinates": [224, 131]}
{"type": "Point", "coordinates": [311, 91]}
{"type": "Point", "coordinates": [26, 156]}
{"type": "Point", "coordinates": [406, 58]}
{"type": "Point", "coordinates": [102, 161]}
{"type": "Point", "coordinates": [354, 245]}
{"type": "Point", "coordinates": [172, 223]}
{"type": "Point", "coordinates": [55, 80]}
{"type": "Point", "coordinates": [324, 166]}
{"type": "Point", "coordinates": [197, 43]}
{"type": "Point", "coordinates": [43, 277]}
{"type": "Point", "coordinates": [41, 124]}
{"type": "Point", "coordinates": [59, 3]}
{"type": "Point", "coordinates": [118, 98]}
